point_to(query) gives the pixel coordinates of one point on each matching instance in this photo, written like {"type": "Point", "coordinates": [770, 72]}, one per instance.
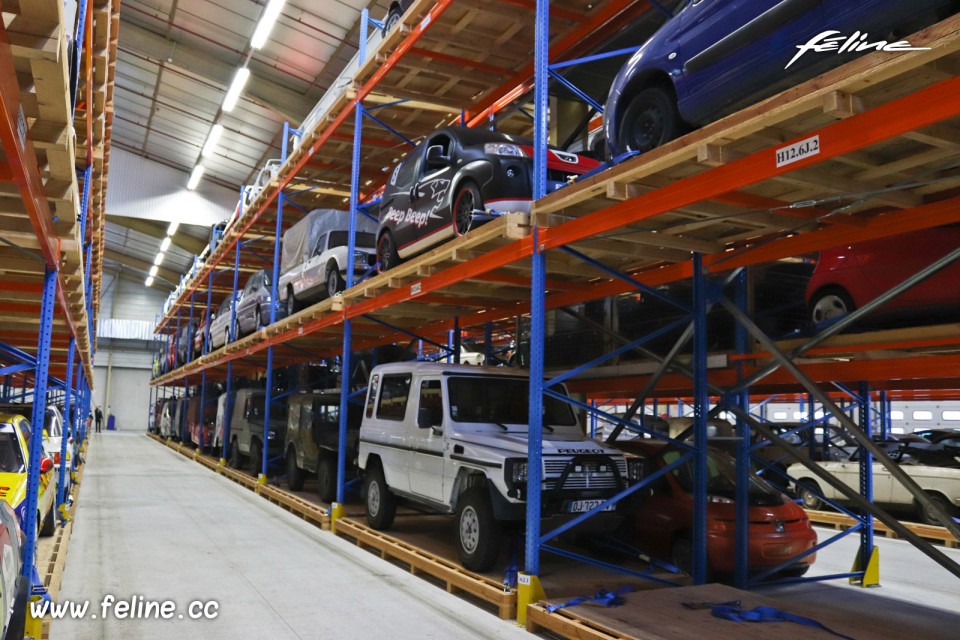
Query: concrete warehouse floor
{"type": "Point", "coordinates": [152, 523]}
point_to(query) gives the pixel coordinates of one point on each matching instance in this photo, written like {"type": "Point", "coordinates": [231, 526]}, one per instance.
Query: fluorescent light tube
{"type": "Point", "coordinates": [165, 244]}
{"type": "Point", "coordinates": [159, 259]}
{"type": "Point", "coordinates": [265, 26]}
{"type": "Point", "coordinates": [212, 140]}
{"type": "Point", "coordinates": [149, 281]}
{"type": "Point", "coordinates": [153, 270]}
{"type": "Point", "coordinates": [172, 229]}
{"type": "Point", "coordinates": [195, 177]}
{"type": "Point", "coordinates": [236, 88]}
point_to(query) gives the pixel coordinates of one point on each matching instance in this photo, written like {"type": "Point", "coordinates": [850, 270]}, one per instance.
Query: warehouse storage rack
{"type": "Point", "coordinates": [52, 189]}
{"type": "Point", "coordinates": [700, 209]}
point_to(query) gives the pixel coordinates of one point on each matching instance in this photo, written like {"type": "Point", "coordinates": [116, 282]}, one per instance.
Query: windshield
{"type": "Point", "coordinates": [51, 424]}
{"type": "Point", "coordinates": [11, 458]}
{"type": "Point", "coordinates": [721, 479]}
{"type": "Point", "coordinates": [505, 400]}
{"type": "Point", "coordinates": [278, 411]}
{"type": "Point", "coordinates": [339, 239]}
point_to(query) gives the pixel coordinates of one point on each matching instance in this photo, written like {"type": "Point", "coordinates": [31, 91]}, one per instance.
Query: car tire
{"type": "Point", "coordinates": [233, 456]}
{"type": "Point", "coordinates": [650, 120]}
{"type": "Point", "coordinates": [327, 479]}
{"type": "Point", "coordinates": [49, 523]}
{"type": "Point", "coordinates": [256, 457]}
{"type": "Point", "coordinates": [226, 336]}
{"type": "Point", "coordinates": [797, 571]}
{"type": "Point", "coordinates": [809, 499]}
{"type": "Point", "coordinates": [335, 283]}
{"type": "Point", "coordinates": [393, 17]}
{"type": "Point", "coordinates": [236, 331]}
{"type": "Point", "coordinates": [292, 305]}
{"type": "Point", "coordinates": [830, 303]}
{"type": "Point", "coordinates": [929, 517]}
{"type": "Point", "coordinates": [387, 252]}
{"type": "Point", "coordinates": [380, 504]}
{"type": "Point", "coordinates": [479, 533]}
{"type": "Point", "coordinates": [465, 203]}
{"type": "Point", "coordinates": [256, 320]}
{"type": "Point", "coordinates": [295, 475]}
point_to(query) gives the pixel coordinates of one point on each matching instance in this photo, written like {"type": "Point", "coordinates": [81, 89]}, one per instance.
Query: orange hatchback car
{"type": "Point", "coordinates": [663, 521]}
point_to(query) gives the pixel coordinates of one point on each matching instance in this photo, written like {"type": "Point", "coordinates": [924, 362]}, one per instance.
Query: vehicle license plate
{"type": "Point", "coordinates": [582, 506]}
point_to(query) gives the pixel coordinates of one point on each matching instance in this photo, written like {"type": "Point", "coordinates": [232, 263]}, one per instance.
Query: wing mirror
{"type": "Point", "coordinates": [435, 157]}
{"type": "Point", "coordinates": [46, 465]}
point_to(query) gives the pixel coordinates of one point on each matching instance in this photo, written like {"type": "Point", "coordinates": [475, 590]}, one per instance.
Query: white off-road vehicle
{"type": "Point", "coordinates": [453, 438]}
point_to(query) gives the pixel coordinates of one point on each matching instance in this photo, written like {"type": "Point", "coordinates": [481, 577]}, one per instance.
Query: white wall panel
{"type": "Point", "coordinates": [129, 299]}
{"type": "Point", "coordinates": [141, 188]}
{"type": "Point", "coordinates": [129, 396]}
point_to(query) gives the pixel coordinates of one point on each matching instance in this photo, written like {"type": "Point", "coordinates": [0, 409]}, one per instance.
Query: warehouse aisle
{"type": "Point", "coordinates": [152, 524]}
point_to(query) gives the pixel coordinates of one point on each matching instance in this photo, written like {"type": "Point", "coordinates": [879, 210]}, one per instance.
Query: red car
{"type": "Point", "coordinates": [849, 276]}
{"type": "Point", "coordinates": [194, 422]}
{"type": "Point", "coordinates": [199, 336]}
{"type": "Point", "coordinates": [779, 528]}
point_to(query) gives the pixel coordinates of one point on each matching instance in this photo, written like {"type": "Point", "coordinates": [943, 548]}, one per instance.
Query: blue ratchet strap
{"type": "Point", "coordinates": [510, 575]}
{"type": "Point", "coordinates": [769, 614]}
{"type": "Point", "coordinates": [37, 588]}
{"type": "Point", "coordinates": [604, 597]}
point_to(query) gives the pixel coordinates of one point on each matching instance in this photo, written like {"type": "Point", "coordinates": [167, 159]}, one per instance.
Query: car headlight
{"type": "Point", "coordinates": [515, 471]}
{"type": "Point", "coordinates": [634, 469]}
{"type": "Point", "coordinates": [503, 149]}
{"type": "Point", "coordinates": [719, 500]}
{"type": "Point", "coordinates": [271, 435]}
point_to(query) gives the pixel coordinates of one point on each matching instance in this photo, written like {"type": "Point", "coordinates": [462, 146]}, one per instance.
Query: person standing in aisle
{"type": "Point", "coordinates": [98, 415]}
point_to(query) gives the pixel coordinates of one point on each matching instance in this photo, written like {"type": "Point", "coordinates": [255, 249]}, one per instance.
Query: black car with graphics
{"type": "Point", "coordinates": [456, 179]}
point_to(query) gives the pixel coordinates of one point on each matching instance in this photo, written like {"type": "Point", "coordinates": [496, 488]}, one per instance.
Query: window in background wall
{"type": "Point", "coordinates": [780, 415]}
{"type": "Point", "coordinates": [896, 415]}
{"type": "Point", "coordinates": [950, 415]}
{"type": "Point", "coordinates": [923, 415]}
{"type": "Point", "coordinates": [799, 415]}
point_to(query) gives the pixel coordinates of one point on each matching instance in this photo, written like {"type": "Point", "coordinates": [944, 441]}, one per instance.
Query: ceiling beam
{"type": "Point", "coordinates": [143, 266]}
{"type": "Point", "coordinates": [288, 103]}
{"type": "Point", "coordinates": [157, 230]}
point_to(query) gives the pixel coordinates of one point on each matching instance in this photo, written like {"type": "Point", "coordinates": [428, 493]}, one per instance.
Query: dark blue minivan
{"type": "Point", "coordinates": [716, 56]}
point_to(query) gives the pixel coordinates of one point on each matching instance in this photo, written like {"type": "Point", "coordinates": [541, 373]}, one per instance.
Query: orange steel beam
{"type": "Point", "coordinates": [22, 157]}
{"type": "Point", "coordinates": [21, 287]}
{"type": "Point", "coordinates": [919, 343]}
{"type": "Point", "coordinates": [917, 110]}
{"type": "Point", "coordinates": [923, 217]}
{"type": "Point", "coordinates": [620, 11]}
{"type": "Point", "coordinates": [22, 163]}
{"type": "Point", "coordinates": [554, 11]}
{"type": "Point", "coordinates": [460, 62]}
{"type": "Point", "coordinates": [552, 284]}
{"type": "Point", "coordinates": [88, 50]}
{"type": "Point", "coordinates": [942, 212]}
{"type": "Point", "coordinates": [895, 371]}
{"type": "Point", "coordinates": [364, 90]}
{"type": "Point", "coordinates": [761, 203]}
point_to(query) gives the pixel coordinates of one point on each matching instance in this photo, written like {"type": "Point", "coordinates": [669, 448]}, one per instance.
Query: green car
{"type": "Point", "coordinates": [313, 437]}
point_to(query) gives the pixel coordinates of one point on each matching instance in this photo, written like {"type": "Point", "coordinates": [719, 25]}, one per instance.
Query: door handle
{"type": "Point", "coordinates": [415, 191]}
